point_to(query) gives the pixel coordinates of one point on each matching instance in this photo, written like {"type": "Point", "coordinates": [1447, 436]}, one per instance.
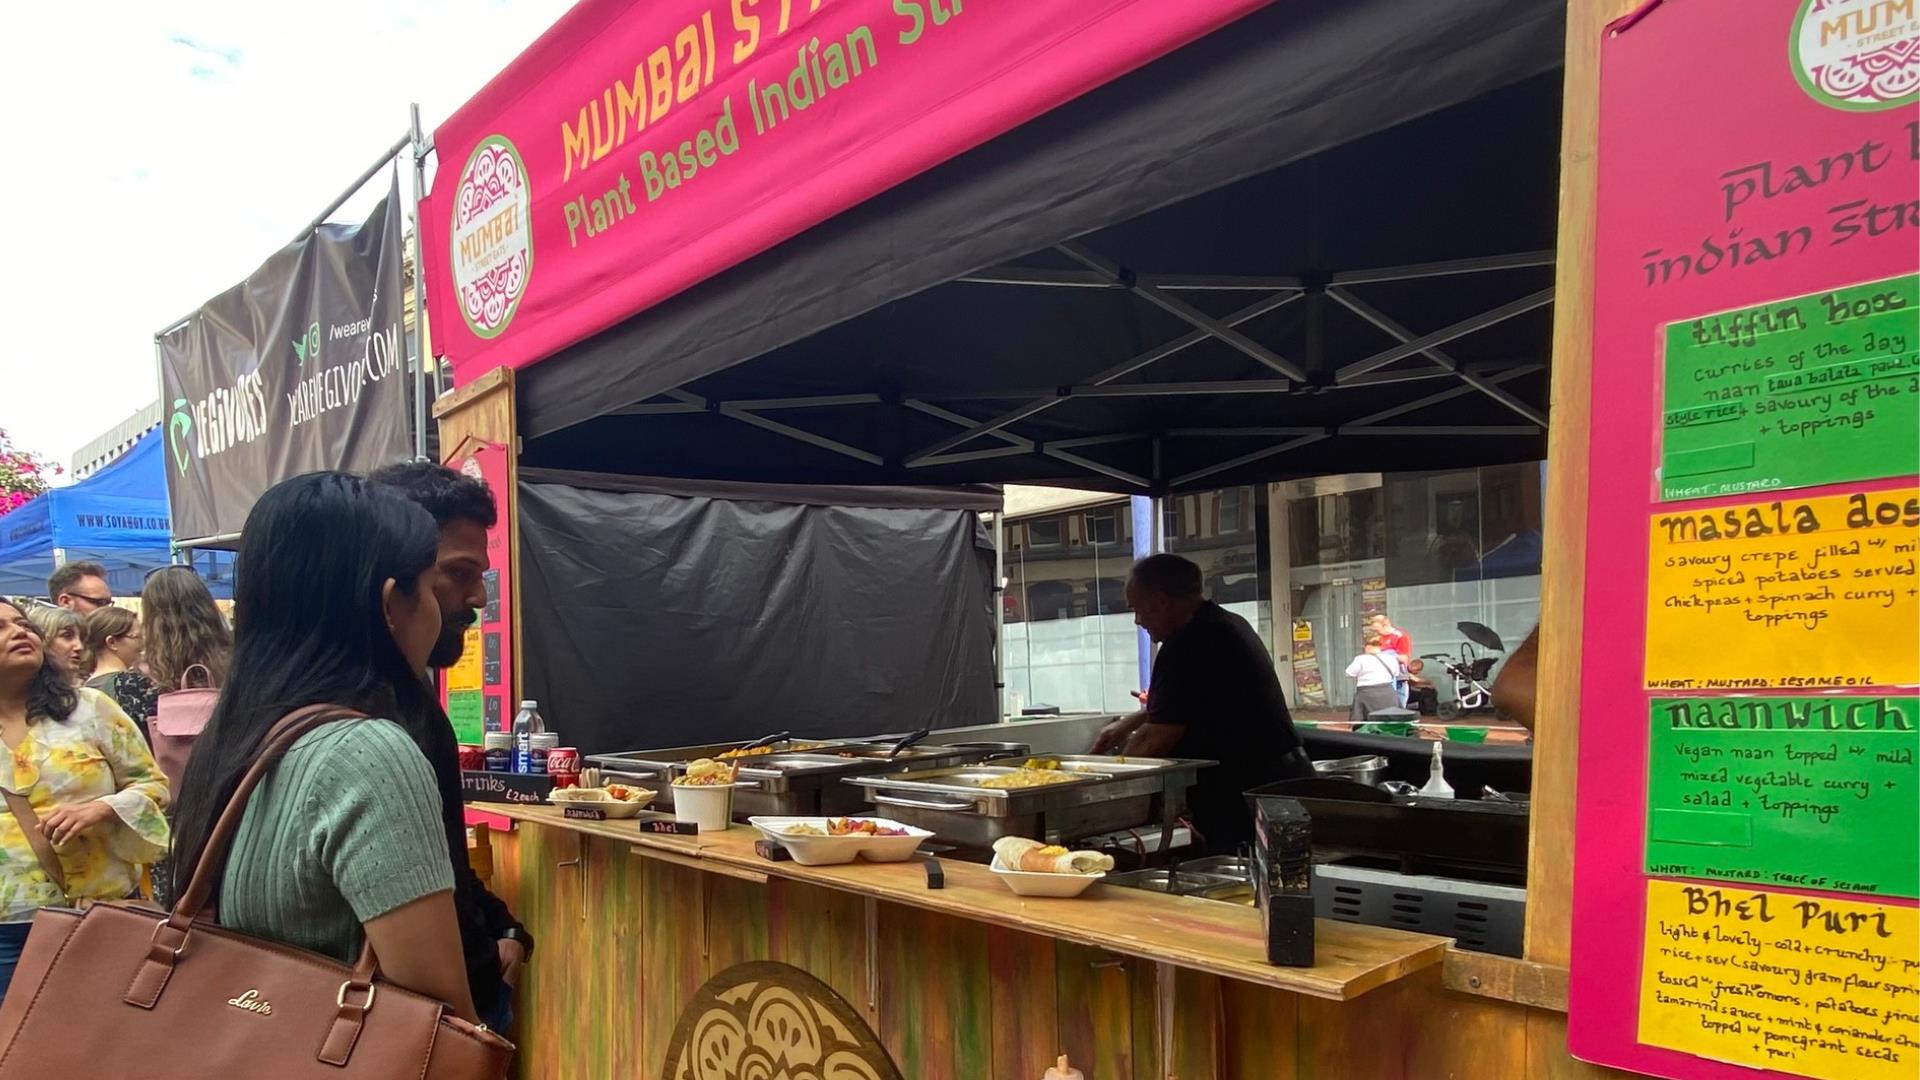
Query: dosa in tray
{"type": "Point", "coordinates": [1031, 868]}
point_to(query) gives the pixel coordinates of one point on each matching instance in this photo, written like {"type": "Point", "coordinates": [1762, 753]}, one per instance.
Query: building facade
{"type": "Point", "coordinates": [100, 451]}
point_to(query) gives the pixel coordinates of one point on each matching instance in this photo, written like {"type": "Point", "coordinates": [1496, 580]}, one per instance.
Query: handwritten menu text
{"type": "Point", "coordinates": [1801, 984]}
{"type": "Point", "coordinates": [1818, 389]}
{"type": "Point", "coordinates": [1814, 593]}
{"type": "Point", "coordinates": [1815, 792]}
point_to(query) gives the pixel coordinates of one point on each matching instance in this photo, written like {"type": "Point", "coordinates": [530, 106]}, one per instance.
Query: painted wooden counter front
{"type": "Point", "coordinates": [968, 982]}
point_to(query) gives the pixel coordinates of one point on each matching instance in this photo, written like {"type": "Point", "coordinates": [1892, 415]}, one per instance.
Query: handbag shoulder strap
{"type": "Point", "coordinates": [37, 840]}
{"type": "Point", "coordinates": [213, 855]}
{"type": "Point", "coordinates": [1383, 663]}
{"type": "Point", "coordinates": [205, 675]}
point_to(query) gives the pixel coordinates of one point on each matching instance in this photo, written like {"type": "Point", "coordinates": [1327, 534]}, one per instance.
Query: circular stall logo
{"type": "Point", "coordinates": [492, 236]}
{"type": "Point", "coordinates": [1858, 54]}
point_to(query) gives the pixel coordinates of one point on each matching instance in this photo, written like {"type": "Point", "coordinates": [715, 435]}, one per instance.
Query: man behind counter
{"type": "Point", "coordinates": [1214, 695]}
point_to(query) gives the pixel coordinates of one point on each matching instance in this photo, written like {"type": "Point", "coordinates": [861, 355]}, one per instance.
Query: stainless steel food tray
{"type": "Point", "coordinates": [1113, 794]}
{"type": "Point", "coordinates": [784, 782]}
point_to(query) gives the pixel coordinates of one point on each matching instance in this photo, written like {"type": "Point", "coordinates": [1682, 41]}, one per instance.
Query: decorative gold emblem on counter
{"type": "Point", "coordinates": [772, 1020]}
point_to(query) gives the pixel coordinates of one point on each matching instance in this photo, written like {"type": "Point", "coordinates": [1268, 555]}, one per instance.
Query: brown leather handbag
{"type": "Point", "coordinates": [125, 990]}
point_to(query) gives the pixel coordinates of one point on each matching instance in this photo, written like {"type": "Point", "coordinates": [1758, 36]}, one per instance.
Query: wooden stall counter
{"type": "Point", "coordinates": [1199, 935]}
{"type": "Point", "coordinates": [655, 949]}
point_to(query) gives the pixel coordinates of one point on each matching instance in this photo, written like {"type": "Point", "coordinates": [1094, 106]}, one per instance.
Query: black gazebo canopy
{"type": "Point", "coordinates": [1333, 253]}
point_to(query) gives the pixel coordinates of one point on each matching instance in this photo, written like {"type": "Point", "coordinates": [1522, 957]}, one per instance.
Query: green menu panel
{"type": "Point", "coordinates": [1813, 792]}
{"type": "Point", "coordinates": [1819, 389]}
{"type": "Point", "coordinates": [464, 712]}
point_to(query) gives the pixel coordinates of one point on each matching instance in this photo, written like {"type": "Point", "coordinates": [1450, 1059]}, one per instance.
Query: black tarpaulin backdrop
{"type": "Point", "coordinates": [655, 620]}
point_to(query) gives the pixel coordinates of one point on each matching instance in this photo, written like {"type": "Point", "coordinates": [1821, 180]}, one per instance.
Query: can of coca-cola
{"type": "Point", "coordinates": [473, 758]}
{"type": "Point", "coordinates": [563, 765]}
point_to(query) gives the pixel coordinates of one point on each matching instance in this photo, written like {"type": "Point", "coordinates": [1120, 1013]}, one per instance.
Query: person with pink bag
{"type": "Point", "coordinates": [187, 648]}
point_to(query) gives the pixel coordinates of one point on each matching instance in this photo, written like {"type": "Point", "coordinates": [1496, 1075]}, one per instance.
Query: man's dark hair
{"type": "Point", "coordinates": [1169, 575]}
{"type": "Point", "coordinates": [65, 578]}
{"type": "Point", "coordinates": [447, 495]}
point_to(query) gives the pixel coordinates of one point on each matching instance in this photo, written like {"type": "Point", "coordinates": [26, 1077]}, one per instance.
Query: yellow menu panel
{"type": "Point", "coordinates": [1785, 981]}
{"type": "Point", "coordinates": [1816, 593]}
{"type": "Point", "coordinates": [465, 673]}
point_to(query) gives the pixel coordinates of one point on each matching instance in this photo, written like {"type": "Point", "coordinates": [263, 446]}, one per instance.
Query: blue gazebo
{"type": "Point", "coordinates": [117, 517]}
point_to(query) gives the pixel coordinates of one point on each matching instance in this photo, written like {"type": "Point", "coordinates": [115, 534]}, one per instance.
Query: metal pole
{"type": "Point", "coordinates": [419, 290]}
{"type": "Point", "coordinates": [354, 188]}
{"type": "Point", "coordinates": [207, 541]}
{"type": "Point", "coordinates": [1000, 612]}
{"type": "Point", "coordinates": [1146, 540]}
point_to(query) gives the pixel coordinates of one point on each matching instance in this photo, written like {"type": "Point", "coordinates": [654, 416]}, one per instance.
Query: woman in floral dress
{"type": "Point", "coordinates": [88, 783]}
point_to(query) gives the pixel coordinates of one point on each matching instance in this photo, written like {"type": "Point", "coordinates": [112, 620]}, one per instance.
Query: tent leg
{"type": "Point", "coordinates": [1146, 541]}
{"type": "Point", "coordinates": [419, 292]}
{"type": "Point", "coordinates": [999, 593]}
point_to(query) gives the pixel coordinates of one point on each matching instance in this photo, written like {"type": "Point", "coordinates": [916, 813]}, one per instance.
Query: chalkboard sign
{"type": "Point", "coordinates": [584, 813]}
{"type": "Point", "coordinates": [502, 787]}
{"type": "Point", "coordinates": [670, 827]}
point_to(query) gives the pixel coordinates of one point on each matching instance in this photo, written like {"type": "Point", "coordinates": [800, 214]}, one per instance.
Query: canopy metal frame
{"type": "Point", "coordinates": [1161, 291]}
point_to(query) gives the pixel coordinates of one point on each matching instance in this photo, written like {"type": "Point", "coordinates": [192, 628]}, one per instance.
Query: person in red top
{"type": "Point", "coordinates": [1395, 640]}
{"type": "Point", "coordinates": [1392, 637]}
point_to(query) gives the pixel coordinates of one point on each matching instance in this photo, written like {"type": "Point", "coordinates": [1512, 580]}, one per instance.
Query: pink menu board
{"type": "Point", "coordinates": [479, 689]}
{"type": "Point", "coordinates": [1745, 851]}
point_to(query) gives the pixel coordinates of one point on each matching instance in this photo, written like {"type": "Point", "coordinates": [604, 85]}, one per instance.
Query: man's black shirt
{"type": "Point", "coordinates": [1214, 678]}
{"type": "Point", "coordinates": [483, 917]}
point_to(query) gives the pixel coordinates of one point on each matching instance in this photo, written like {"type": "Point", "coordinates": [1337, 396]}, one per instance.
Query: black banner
{"type": "Point", "coordinates": [302, 366]}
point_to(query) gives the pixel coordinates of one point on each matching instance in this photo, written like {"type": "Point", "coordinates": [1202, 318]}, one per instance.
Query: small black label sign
{"type": "Point", "coordinates": [670, 828]}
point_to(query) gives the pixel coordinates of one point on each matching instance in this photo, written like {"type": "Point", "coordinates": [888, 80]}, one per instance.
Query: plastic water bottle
{"type": "Point", "coordinates": [525, 723]}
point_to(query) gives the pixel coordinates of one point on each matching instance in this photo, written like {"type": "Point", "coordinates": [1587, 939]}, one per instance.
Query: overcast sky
{"type": "Point", "coordinates": [159, 150]}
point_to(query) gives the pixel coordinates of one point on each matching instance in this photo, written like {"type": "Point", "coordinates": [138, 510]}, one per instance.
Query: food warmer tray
{"type": "Point", "coordinates": [1114, 794]}
{"type": "Point", "coordinates": [786, 782]}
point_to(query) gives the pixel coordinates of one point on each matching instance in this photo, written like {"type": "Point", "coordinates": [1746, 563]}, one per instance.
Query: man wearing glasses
{"type": "Point", "coordinates": [80, 587]}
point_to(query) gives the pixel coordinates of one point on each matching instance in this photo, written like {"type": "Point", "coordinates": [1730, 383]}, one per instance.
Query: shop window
{"type": "Point", "coordinates": [1329, 530]}
{"type": "Point", "coordinates": [1465, 525]}
{"type": "Point", "coordinates": [1228, 543]}
{"type": "Point", "coordinates": [1103, 527]}
{"type": "Point", "coordinates": [1233, 510]}
{"type": "Point", "coordinates": [1047, 600]}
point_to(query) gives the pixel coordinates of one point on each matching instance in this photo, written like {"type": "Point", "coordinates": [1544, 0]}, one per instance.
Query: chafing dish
{"type": "Point", "coordinates": [1103, 794]}
{"type": "Point", "coordinates": [798, 777]}
{"type": "Point", "coordinates": [1365, 768]}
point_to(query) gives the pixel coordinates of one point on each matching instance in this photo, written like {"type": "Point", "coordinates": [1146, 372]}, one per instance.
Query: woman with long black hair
{"type": "Point", "coordinates": [333, 605]}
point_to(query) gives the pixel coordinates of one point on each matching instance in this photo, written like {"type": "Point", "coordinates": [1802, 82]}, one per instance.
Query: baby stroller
{"type": "Point", "coordinates": [1471, 690]}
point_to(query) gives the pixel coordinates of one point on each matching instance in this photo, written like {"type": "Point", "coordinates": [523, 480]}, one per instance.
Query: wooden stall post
{"type": "Point", "coordinates": [1540, 980]}
{"type": "Point", "coordinates": [1556, 742]}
